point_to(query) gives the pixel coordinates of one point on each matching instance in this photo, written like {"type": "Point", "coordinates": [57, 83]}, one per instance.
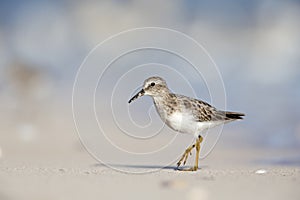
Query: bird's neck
{"type": "Point", "coordinates": [163, 96]}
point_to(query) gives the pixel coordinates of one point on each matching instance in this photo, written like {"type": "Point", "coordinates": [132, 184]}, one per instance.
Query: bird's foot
{"type": "Point", "coordinates": [184, 157]}
{"type": "Point", "coordinates": [191, 169]}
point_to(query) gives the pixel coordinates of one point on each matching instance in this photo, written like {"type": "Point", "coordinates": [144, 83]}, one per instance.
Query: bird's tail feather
{"type": "Point", "coordinates": [233, 115]}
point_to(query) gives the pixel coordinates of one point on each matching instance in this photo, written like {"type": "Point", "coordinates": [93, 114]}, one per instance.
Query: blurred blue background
{"type": "Point", "coordinates": [255, 44]}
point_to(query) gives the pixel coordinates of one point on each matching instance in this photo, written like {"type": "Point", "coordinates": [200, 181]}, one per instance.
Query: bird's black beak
{"type": "Point", "coordinates": [139, 94]}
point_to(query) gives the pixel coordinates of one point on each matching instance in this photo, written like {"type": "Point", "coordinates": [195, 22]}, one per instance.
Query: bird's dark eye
{"type": "Point", "coordinates": [152, 84]}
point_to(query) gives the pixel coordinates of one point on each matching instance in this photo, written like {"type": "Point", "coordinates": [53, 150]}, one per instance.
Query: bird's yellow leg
{"type": "Point", "coordinates": [197, 153]}
{"type": "Point", "coordinates": [185, 155]}
{"type": "Point", "coordinates": [197, 145]}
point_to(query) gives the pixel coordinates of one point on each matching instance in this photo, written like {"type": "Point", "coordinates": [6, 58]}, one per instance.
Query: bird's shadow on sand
{"type": "Point", "coordinates": [142, 166]}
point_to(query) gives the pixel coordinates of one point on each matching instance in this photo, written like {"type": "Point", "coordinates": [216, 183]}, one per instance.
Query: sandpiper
{"type": "Point", "coordinates": [184, 114]}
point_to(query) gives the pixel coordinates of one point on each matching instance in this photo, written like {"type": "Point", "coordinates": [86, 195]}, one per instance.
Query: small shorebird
{"type": "Point", "coordinates": [184, 114]}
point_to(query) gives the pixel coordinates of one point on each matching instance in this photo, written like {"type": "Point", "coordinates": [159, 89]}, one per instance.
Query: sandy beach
{"type": "Point", "coordinates": [48, 161]}
{"type": "Point", "coordinates": [97, 182]}
{"type": "Point", "coordinates": [69, 172]}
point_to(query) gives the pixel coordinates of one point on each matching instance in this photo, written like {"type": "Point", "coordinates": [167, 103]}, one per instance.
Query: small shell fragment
{"type": "Point", "coordinates": [260, 171]}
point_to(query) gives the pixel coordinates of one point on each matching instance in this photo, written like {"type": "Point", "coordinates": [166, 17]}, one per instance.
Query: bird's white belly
{"type": "Point", "coordinates": [184, 122]}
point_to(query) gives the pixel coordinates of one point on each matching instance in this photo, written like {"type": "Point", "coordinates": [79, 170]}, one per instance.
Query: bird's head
{"type": "Point", "coordinates": [153, 86]}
